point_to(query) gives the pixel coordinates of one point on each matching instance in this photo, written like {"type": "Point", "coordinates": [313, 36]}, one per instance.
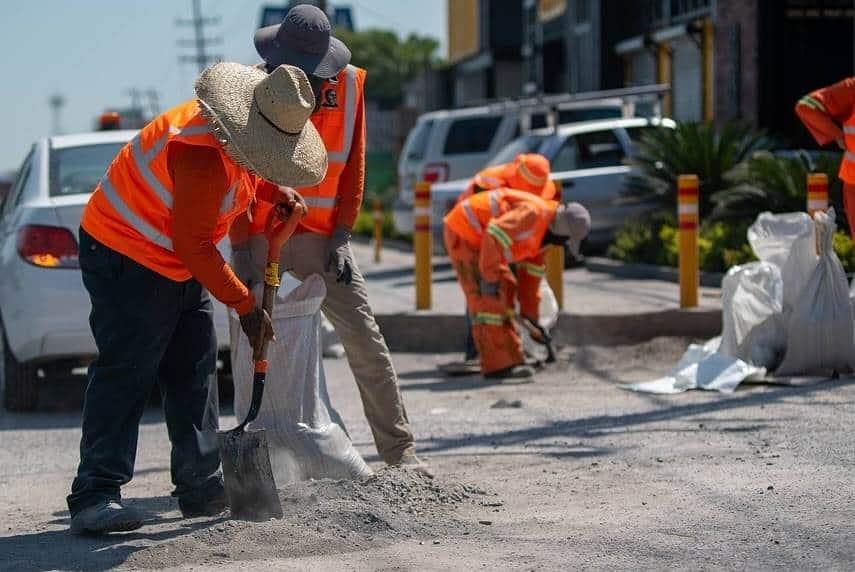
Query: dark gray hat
{"type": "Point", "coordinates": [304, 40]}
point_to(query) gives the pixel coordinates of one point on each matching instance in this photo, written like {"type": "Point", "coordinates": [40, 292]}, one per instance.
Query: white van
{"type": "Point", "coordinates": [454, 144]}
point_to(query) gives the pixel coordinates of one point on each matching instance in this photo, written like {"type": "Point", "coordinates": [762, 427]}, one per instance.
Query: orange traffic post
{"type": "Point", "coordinates": [817, 193]}
{"type": "Point", "coordinates": [378, 229]}
{"type": "Point", "coordinates": [688, 217]}
{"type": "Point", "coordinates": [554, 260]}
{"type": "Point", "coordinates": [422, 245]}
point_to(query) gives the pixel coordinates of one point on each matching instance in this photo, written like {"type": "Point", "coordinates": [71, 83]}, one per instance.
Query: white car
{"type": "Point", "coordinates": [44, 308]}
{"type": "Point", "coordinates": [589, 159]}
{"type": "Point", "coordinates": [451, 144]}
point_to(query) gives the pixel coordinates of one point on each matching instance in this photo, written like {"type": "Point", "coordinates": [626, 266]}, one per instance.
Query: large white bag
{"type": "Point", "coordinates": [548, 311]}
{"type": "Point", "coordinates": [753, 328]}
{"type": "Point", "coordinates": [306, 435]}
{"type": "Point", "coordinates": [820, 336]}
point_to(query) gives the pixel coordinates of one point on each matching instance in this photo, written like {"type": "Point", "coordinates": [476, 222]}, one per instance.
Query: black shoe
{"type": "Point", "coordinates": [513, 372]}
{"type": "Point", "coordinates": [108, 516]}
{"type": "Point", "coordinates": [210, 504]}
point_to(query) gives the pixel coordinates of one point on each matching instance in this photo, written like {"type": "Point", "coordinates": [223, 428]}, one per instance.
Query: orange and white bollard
{"type": "Point", "coordinates": [378, 229]}
{"type": "Point", "coordinates": [688, 218]}
{"type": "Point", "coordinates": [422, 243]}
{"type": "Point", "coordinates": [817, 193]}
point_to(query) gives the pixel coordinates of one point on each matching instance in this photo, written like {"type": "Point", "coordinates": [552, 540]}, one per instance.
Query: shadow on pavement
{"type": "Point", "coordinates": [61, 550]}
{"type": "Point", "coordinates": [589, 427]}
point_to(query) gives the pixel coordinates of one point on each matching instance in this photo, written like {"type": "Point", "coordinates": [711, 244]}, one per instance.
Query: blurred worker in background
{"type": "Point", "coordinates": [529, 172]}
{"type": "Point", "coordinates": [486, 233]}
{"type": "Point", "coordinates": [148, 259]}
{"type": "Point", "coordinates": [321, 244]}
{"type": "Point", "coordinates": [829, 114]}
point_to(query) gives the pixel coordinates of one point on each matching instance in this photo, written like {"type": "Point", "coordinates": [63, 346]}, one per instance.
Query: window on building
{"type": "Point", "coordinates": [471, 135]}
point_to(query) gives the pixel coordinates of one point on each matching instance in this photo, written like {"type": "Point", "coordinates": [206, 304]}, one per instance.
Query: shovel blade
{"type": "Point", "coordinates": [248, 475]}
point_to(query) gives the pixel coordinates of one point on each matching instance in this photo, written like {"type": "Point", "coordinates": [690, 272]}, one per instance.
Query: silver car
{"type": "Point", "coordinates": [44, 308]}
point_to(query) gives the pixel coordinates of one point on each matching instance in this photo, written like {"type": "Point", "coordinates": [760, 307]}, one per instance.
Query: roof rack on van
{"type": "Point", "coordinates": [628, 98]}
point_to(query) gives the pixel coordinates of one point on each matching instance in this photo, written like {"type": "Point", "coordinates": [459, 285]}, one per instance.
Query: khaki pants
{"type": "Point", "coordinates": [346, 306]}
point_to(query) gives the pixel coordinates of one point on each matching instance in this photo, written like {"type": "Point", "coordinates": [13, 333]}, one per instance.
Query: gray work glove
{"type": "Point", "coordinates": [339, 257]}
{"type": "Point", "coordinates": [258, 327]}
{"type": "Point", "coordinates": [244, 268]}
{"type": "Point", "coordinates": [489, 289]}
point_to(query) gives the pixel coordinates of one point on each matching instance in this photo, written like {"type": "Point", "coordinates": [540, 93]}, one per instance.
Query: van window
{"type": "Point", "coordinates": [599, 149]}
{"type": "Point", "coordinates": [591, 114]}
{"type": "Point", "coordinates": [417, 142]}
{"type": "Point", "coordinates": [526, 144]}
{"type": "Point", "coordinates": [471, 135]}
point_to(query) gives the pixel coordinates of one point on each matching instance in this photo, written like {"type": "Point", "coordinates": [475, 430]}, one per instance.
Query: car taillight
{"type": "Point", "coordinates": [48, 246]}
{"type": "Point", "coordinates": [435, 172]}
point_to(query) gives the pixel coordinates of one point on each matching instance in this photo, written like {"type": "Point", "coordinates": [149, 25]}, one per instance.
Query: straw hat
{"type": "Point", "coordinates": [263, 121]}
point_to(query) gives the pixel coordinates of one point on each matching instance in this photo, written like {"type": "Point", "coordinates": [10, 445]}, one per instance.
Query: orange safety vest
{"type": "Point", "coordinates": [847, 166]}
{"type": "Point", "coordinates": [335, 120]}
{"type": "Point", "coordinates": [472, 218]}
{"type": "Point", "coordinates": [131, 208]}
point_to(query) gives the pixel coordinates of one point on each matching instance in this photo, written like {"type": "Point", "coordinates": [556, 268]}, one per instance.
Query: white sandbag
{"type": "Point", "coordinates": [548, 311]}
{"type": "Point", "coordinates": [306, 435]}
{"type": "Point", "coordinates": [702, 367]}
{"type": "Point", "coordinates": [771, 236]}
{"type": "Point", "coordinates": [752, 300]}
{"type": "Point", "coordinates": [820, 336]}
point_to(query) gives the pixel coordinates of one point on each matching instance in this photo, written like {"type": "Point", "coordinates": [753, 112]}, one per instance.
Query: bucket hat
{"type": "Point", "coordinates": [303, 39]}
{"type": "Point", "coordinates": [262, 121]}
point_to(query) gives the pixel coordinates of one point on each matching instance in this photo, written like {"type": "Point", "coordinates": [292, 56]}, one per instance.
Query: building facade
{"type": "Point", "coordinates": [747, 60]}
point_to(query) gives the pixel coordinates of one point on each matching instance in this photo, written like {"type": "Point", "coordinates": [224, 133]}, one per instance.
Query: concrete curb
{"type": "Point", "coordinates": [428, 332]}
{"type": "Point", "coordinates": [647, 271]}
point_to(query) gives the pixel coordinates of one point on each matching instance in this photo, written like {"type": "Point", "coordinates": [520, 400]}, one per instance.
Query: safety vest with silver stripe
{"type": "Point", "coordinates": [131, 209]}
{"type": "Point", "coordinates": [847, 166]}
{"type": "Point", "coordinates": [335, 121]}
{"type": "Point", "coordinates": [474, 218]}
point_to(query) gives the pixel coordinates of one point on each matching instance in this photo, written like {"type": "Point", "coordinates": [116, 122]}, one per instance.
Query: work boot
{"type": "Point", "coordinates": [105, 517]}
{"type": "Point", "coordinates": [411, 462]}
{"type": "Point", "coordinates": [513, 372]}
{"type": "Point", "coordinates": [209, 502]}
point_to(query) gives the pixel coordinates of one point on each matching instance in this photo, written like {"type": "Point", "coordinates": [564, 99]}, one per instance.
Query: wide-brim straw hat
{"type": "Point", "coordinates": [262, 121]}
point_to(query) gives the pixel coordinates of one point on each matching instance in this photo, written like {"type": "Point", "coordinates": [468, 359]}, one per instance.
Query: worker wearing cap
{"type": "Point", "coordinates": [529, 172]}
{"type": "Point", "coordinates": [322, 242]}
{"type": "Point", "coordinates": [148, 258]}
{"type": "Point", "coordinates": [486, 233]}
{"type": "Point", "coordinates": [829, 114]}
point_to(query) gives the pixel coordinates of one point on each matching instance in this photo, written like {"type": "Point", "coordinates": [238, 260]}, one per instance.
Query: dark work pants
{"type": "Point", "coordinates": [148, 329]}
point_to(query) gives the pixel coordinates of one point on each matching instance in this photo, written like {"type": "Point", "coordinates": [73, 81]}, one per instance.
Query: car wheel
{"type": "Point", "coordinates": [19, 381]}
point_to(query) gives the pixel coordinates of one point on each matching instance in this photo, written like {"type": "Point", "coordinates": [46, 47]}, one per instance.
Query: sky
{"type": "Point", "coordinates": [93, 51]}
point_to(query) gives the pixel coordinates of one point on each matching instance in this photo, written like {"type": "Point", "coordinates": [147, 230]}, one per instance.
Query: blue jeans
{"type": "Point", "coordinates": [148, 329]}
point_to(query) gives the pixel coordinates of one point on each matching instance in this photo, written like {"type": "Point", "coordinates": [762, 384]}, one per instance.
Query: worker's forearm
{"type": "Point", "coordinates": [206, 264]}
{"type": "Point", "coordinates": [820, 125]}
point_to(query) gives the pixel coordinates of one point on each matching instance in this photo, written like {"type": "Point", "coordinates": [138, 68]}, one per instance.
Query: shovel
{"type": "Point", "coordinates": [247, 473]}
{"type": "Point", "coordinates": [540, 336]}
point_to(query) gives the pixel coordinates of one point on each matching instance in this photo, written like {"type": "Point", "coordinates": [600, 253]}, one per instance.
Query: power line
{"type": "Point", "coordinates": [199, 22]}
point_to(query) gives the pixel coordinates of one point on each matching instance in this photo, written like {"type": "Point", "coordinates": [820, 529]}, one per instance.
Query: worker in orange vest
{"type": "Point", "coordinates": [148, 260]}
{"type": "Point", "coordinates": [322, 242]}
{"type": "Point", "coordinates": [529, 172]}
{"type": "Point", "coordinates": [484, 234]}
{"type": "Point", "coordinates": [829, 114]}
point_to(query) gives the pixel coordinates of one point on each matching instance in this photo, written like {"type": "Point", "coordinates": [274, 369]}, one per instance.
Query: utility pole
{"type": "Point", "coordinates": [199, 42]}
{"type": "Point", "coordinates": [56, 102]}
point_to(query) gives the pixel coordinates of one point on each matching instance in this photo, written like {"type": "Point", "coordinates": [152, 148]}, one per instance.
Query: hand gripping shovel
{"type": "Point", "coordinates": [247, 473]}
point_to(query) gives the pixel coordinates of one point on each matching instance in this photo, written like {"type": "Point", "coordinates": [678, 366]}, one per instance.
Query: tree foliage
{"type": "Point", "coordinates": [390, 61]}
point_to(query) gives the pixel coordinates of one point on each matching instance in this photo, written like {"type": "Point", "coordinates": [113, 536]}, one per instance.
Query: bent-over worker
{"type": "Point", "coordinates": [486, 233]}
{"type": "Point", "coordinates": [321, 244]}
{"type": "Point", "coordinates": [148, 259]}
{"type": "Point", "coordinates": [829, 115]}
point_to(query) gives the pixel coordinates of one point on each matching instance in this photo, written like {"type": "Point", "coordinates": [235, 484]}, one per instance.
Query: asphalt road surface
{"type": "Point", "coordinates": [580, 474]}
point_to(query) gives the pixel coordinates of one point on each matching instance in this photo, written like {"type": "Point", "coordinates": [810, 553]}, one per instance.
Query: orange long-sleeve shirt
{"type": "Point", "coordinates": [200, 184]}
{"type": "Point", "coordinates": [823, 111]}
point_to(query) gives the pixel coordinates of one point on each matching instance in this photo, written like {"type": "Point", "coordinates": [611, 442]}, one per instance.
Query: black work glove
{"type": "Point", "coordinates": [338, 256]}
{"type": "Point", "coordinates": [258, 327]}
{"type": "Point", "coordinates": [489, 288]}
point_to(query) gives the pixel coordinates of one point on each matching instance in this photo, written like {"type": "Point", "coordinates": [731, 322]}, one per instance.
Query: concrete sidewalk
{"type": "Point", "coordinates": [599, 308]}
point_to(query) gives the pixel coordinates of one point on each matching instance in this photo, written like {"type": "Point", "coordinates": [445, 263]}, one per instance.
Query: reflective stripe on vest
{"type": "Point", "coordinates": [502, 238]}
{"type": "Point", "coordinates": [132, 218]}
{"type": "Point", "coordinates": [349, 117]}
{"type": "Point", "coordinates": [537, 270]}
{"type": "Point", "coordinates": [320, 202]}
{"type": "Point", "coordinates": [849, 129]}
{"type": "Point", "coordinates": [489, 319]}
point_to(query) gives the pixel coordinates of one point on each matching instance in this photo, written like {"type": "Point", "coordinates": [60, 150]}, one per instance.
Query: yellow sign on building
{"type": "Point", "coordinates": [550, 9]}
{"type": "Point", "coordinates": [463, 37]}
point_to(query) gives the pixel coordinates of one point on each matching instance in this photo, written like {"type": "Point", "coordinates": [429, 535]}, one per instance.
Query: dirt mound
{"type": "Point", "coordinates": [326, 516]}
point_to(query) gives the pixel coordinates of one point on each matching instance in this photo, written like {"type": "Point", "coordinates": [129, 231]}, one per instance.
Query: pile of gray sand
{"type": "Point", "coordinates": [327, 516]}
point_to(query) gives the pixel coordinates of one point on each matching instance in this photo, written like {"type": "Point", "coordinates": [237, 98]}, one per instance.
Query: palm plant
{"type": "Point", "coordinates": [769, 182]}
{"type": "Point", "coordinates": [692, 148]}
